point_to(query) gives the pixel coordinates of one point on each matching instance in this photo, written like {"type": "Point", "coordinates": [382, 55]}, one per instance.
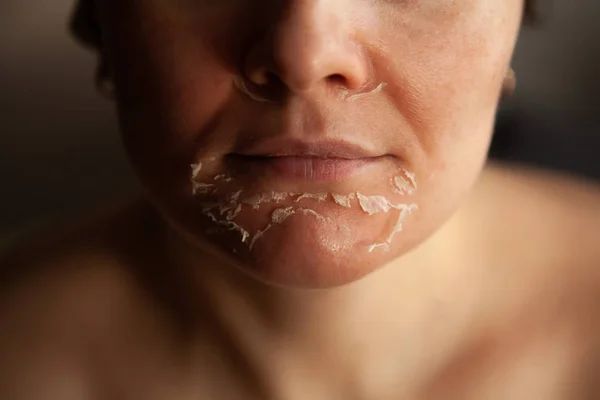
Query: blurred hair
{"type": "Point", "coordinates": [531, 13]}
{"type": "Point", "coordinates": [84, 24]}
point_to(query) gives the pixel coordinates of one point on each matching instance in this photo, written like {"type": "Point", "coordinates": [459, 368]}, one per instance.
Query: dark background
{"type": "Point", "coordinates": [60, 151]}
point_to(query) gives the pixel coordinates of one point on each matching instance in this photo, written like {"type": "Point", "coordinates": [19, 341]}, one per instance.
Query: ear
{"type": "Point", "coordinates": [531, 12]}
{"type": "Point", "coordinates": [84, 24]}
{"type": "Point", "coordinates": [510, 83]}
{"type": "Point", "coordinates": [104, 78]}
{"type": "Point", "coordinates": [86, 29]}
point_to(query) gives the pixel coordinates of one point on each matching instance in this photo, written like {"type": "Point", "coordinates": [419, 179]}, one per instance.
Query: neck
{"type": "Point", "coordinates": [396, 326]}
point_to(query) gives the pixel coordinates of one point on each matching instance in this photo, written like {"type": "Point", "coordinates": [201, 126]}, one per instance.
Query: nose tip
{"type": "Point", "coordinates": [310, 47]}
{"type": "Point", "coordinates": [301, 69]}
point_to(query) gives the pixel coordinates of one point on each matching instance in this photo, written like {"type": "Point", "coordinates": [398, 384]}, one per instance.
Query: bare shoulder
{"type": "Point", "coordinates": [540, 233]}
{"type": "Point", "coordinates": [553, 213]}
{"type": "Point", "coordinates": [543, 227]}
{"type": "Point", "coordinates": [73, 252]}
{"type": "Point", "coordinates": [575, 195]}
{"type": "Point", "coordinates": [59, 293]}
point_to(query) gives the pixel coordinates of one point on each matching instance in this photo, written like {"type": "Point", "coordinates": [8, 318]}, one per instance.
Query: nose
{"type": "Point", "coordinates": [310, 44]}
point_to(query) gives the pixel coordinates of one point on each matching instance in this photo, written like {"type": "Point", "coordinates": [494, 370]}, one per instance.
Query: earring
{"type": "Point", "coordinates": [510, 83]}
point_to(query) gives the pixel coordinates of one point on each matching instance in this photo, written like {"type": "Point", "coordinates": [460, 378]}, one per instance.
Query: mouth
{"type": "Point", "coordinates": [307, 168]}
{"type": "Point", "coordinates": [331, 161]}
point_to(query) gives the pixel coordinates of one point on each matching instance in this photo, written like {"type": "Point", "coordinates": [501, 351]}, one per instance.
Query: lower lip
{"type": "Point", "coordinates": [309, 168]}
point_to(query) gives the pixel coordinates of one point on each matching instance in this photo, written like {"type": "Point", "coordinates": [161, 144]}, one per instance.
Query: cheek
{"type": "Point", "coordinates": [168, 82]}
{"type": "Point", "coordinates": [447, 72]}
{"type": "Point", "coordinates": [173, 79]}
{"type": "Point", "coordinates": [173, 76]}
{"type": "Point", "coordinates": [445, 81]}
{"type": "Point", "coordinates": [172, 62]}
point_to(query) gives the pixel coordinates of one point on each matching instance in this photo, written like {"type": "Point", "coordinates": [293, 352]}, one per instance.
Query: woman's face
{"type": "Point", "coordinates": [309, 141]}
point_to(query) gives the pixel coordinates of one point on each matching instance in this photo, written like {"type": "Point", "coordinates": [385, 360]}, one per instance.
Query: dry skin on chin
{"type": "Point", "coordinates": [224, 212]}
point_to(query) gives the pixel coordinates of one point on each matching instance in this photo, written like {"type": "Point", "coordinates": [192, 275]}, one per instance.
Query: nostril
{"type": "Point", "coordinates": [273, 80]}
{"type": "Point", "coordinates": [263, 87]}
{"type": "Point", "coordinates": [338, 80]}
{"type": "Point", "coordinates": [273, 85]}
{"type": "Point", "coordinates": [264, 79]}
{"type": "Point", "coordinates": [259, 77]}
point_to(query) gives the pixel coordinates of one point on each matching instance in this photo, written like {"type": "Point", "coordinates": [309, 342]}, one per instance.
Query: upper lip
{"type": "Point", "coordinates": [283, 147]}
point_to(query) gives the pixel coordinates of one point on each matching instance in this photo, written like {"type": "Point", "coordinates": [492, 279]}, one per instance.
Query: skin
{"type": "Point", "coordinates": [463, 305]}
{"type": "Point", "coordinates": [433, 118]}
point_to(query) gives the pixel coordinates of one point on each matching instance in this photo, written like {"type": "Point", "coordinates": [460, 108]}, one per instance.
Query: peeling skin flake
{"type": "Point", "coordinates": [223, 178]}
{"type": "Point", "coordinates": [411, 177]}
{"type": "Point", "coordinates": [342, 200]}
{"type": "Point", "coordinates": [211, 216]}
{"type": "Point", "coordinates": [308, 211]}
{"type": "Point", "coordinates": [223, 209]}
{"type": "Point", "coordinates": [254, 201]}
{"type": "Point", "coordinates": [281, 214]}
{"type": "Point", "coordinates": [227, 223]}
{"type": "Point", "coordinates": [384, 246]}
{"type": "Point", "coordinates": [346, 97]}
{"type": "Point", "coordinates": [373, 204]}
{"type": "Point", "coordinates": [316, 196]}
{"type": "Point", "coordinates": [229, 209]}
{"type": "Point", "coordinates": [196, 168]}
{"type": "Point", "coordinates": [401, 185]}
{"type": "Point", "coordinates": [235, 197]}
{"type": "Point", "coordinates": [406, 184]}
{"type": "Point", "coordinates": [203, 188]}
{"type": "Point", "coordinates": [258, 199]}
{"type": "Point", "coordinates": [406, 210]}
{"type": "Point", "coordinates": [232, 226]}
{"type": "Point", "coordinates": [259, 234]}
{"type": "Point", "coordinates": [235, 213]}
{"type": "Point", "coordinates": [278, 196]}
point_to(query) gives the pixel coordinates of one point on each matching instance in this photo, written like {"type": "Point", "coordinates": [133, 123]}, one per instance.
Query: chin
{"type": "Point", "coordinates": [292, 232]}
{"type": "Point", "coordinates": [317, 249]}
{"type": "Point", "coordinates": [311, 259]}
